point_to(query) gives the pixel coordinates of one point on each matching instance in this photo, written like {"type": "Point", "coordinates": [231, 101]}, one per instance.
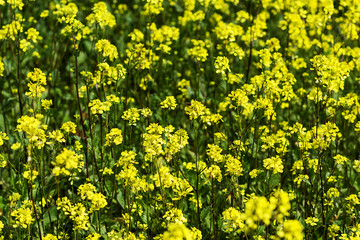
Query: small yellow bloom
{"type": "Point", "coordinates": [46, 103]}
{"type": "Point", "coordinates": [312, 221]}
{"type": "Point", "coordinates": [107, 49]}
{"type": "Point", "coordinates": [69, 127]}
{"type": "Point", "coordinates": [169, 102]}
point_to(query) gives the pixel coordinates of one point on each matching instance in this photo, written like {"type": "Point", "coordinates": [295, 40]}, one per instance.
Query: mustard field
{"type": "Point", "coordinates": [179, 119]}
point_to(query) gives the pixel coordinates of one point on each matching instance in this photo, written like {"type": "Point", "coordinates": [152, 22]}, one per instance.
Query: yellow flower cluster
{"type": "Point", "coordinates": [233, 221]}
{"type": "Point", "coordinates": [23, 216]}
{"type": "Point", "coordinates": [213, 172]}
{"type": "Point", "coordinates": [153, 7]}
{"type": "Point", "coordinates": [34, 130]}
{"type": "Point", "coordinates": [181, 188]}
{"type": "Point", "coordinates": [195, 109]}
{"type": "Point", "coordinates": [175, 215]}
{"type": "Point", "coordinates": [76, 212]}
{"type": "Point", "coordinates": [140, 57]}
{"type": "Point", "coordinates": [132, 115]}
{"type": "Point", "coordinates": [50, 237]}
{"type": "Point", "coordinates": [46, 103]}
{"type": "Point", "coordinates": [88, 191]}
{"type": "Point", "coordinates": [177, 231]}
{"type": "Point", "coordinates": [175, 143]}
{"type": "Point", "coordinates": [69, 127]}
{"type": "Point", "coordinates": [98, 107]}
{"type": "Point", "coordinates": [169, 103]}
{"type": "Point", "coordinates": [11, 30]}
{"type": "Point", "coordinates": [57, 136]}
{"type": "Point", "coordinates": [127, 158]}
{"type": "Point", "coordinates": [222, 65]}
{"type": "Point", "coordinates": [16, 4]}
{"type": "Point", "coordinates": [65, 12]}
{"type": "Point", "coordinates": [198, 51]}
{"type": "Point", "coordinates": [331, 72]}
{"type": "Point", "coordinates": [274, 163]}
{"type": "Point", "coordinates": [66, 162]}
{"type": "Point", "coordinates": [292, 229]}
{"type": "Point", "coordinates": [233, 165]}
{"type": "Point", "coordinates": [3, 137]}
{"type": "Point", "coordinates": [107, 49]}
{"type": "Point", "coordinates": [101, 16]}
{"type": "Point", "coordinates": [114, 136]}
{"type": "Point", "coordinates": [37, 82]}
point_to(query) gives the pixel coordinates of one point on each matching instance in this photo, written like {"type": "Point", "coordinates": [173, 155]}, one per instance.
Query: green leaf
{"type": "Point", "coordinates": [121, 199]}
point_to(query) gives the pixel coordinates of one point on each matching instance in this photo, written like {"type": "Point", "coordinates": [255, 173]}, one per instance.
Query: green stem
{"type": "Point", "coordinates": [79, 106]}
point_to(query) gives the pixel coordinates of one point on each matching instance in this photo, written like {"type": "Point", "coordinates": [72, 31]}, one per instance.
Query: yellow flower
{"type": "Point", "coordinates": [274, 163]}
{"type": "Point", "coordinates": [136, 35]}
{"type": "Point", "coordinates": [122, 8]}
{"type": "Point", "coordinates": [23, 217]}
{"type": "Point", "coordinates": [258, 210]}
{"type": "Point", "coordinates": [254, 173]}
{"type": "Point", "coordinates": [25, 45]}
{"type": "Point", "coordinates": [331, 72]}
{"type": "Point", "coordinates": [50, 237]}
{"type": "Point", "coordinates": [76, 212]}
{"type": "Point", "coordinates": [1, 66]}
{"type": "Point", "coordinates": [214, 152]}
{"type": "Point", "coordinates": [175, 215]}
{"type": "Point", "coordinates": [339, 159]}
{"type": "Point", "coordinates": [183, 86]}
{"type": "Point", "coordinates": [281, 200]}
{"type": "Point", "coordinates": [169, 102]}
{"type": "Point", "coordinates": [33, 35]}
{"type": "Point", "coordinates": [131, 115]}
{"type": "Point", "coordinates": [128, 175]}
{"type": "Point", "coordinates": [301, 178]}
{"type": "Point", "coordinates": [101, 16]}
{"type": "Point", "coordinates": [98, 107]}
{"type": "Point", "coordinates": [34, 130]}
{"type": "Point", "coordinates": [44, 14]}
{"type": "Point", "coordinates": [37, 82]}
{"type": "Point", "coordinates": [195, 109]}
{"type": "Point", "coordinates": [232, 220]}
{"type": "Point", "coordinates": [78, 146]}
{"type": "Point", "coordinates": [292, 229]}
{"type": "Point", "coordinates": [46, 103]}
{"type": "Point", "coordinates": [69, 127]}
{"type": "Point", "coordinates": [93, 236]}
{"type": "Point", "coordinates": [233, 166]}
{"type": "Point", "coordinates": [199, 51]}
{"type": "Point", "coordinates": [213, 171]}
{"type": "Point", "coordinates": [16, 4]}
{"type": "Point", "coordinates": [112, 98]}
{"type": "Point", "coordinates": [107, 49]}
{"type": "Point", "coordinates": [98, 201]}
{"type": "Point", "coordinates": [221, 65]}
{"type": "Point", "coordinates": [312, 221]}
{"type": "Point", "coordinates": [30, 174]}
{"type": "Point", "coordinates": [107, 171]}
{"type": "Point", "coordinates": [65, 162]}
{"type": "Point", "coordinates": [114, 136]}
{"type": "Point", "coordinates": [146, 112]}
{"type": "Point", "coordinates": [57, 136]}
{"type": "Point", "coordinates": [2, 138]}
{"type": "Point", "coordinates": [3, 161]}
{"type": "Point", "coordinates": [153, 7]}
{"type": "Point", "coordinates": [127, 158]}
{"type": "Point", "coordinates": [333, 229]}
